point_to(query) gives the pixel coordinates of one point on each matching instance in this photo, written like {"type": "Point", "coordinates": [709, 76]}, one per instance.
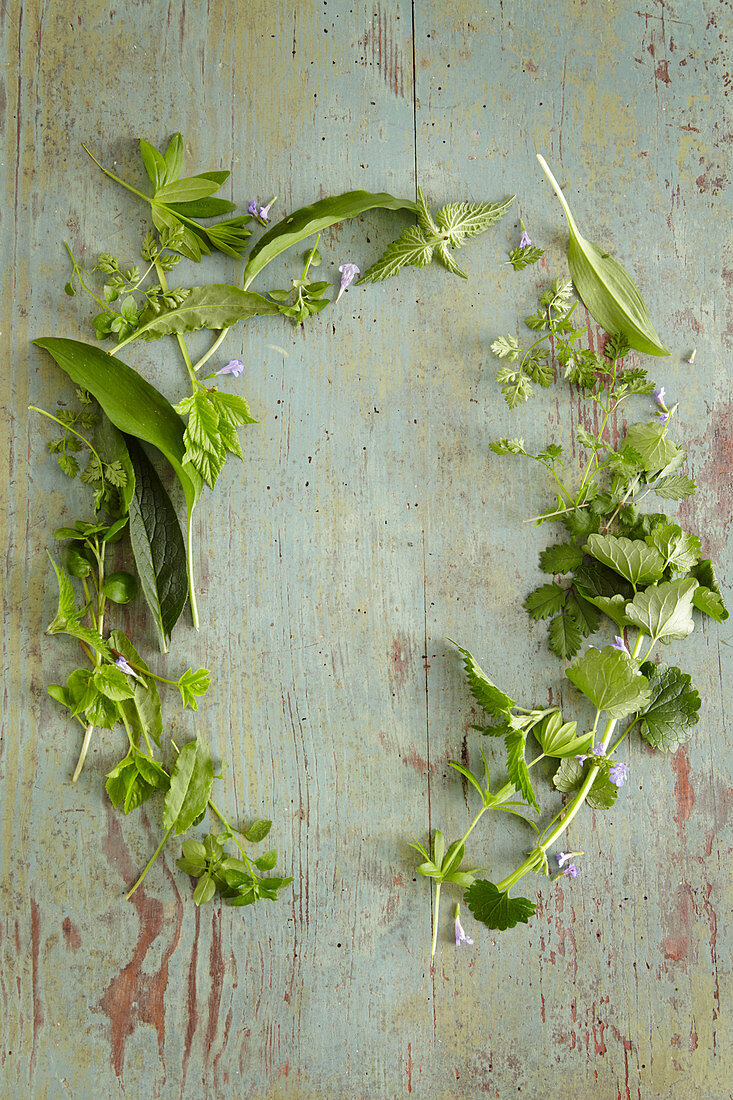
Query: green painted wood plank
{"type": "Point", "coordinates": [367, 520]}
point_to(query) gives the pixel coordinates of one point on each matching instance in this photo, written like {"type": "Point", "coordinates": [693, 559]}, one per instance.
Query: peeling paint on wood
{"type": "Point", "coordinates": [368, 523]}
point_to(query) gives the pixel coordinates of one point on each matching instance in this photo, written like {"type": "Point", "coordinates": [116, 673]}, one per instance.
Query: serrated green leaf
{"type": "Point", "coordinates": [143, 711]}
{"type": "Point", "coordinates": [494, 907]}
{"type": "Point", "coordinates": [613, 606]}
{"type": "Point", "coordinates": [611, 680]}
{"type": "Point", "coordinates": [191, 684]}
{"type": "Point", "coordinates": [632, 559]}
{"type": "Point", "coordinates": [565, 636]}
{"type": "Point", "coordinates": [594, 579]}
{"type": "Point", "coordinates": [674, 708]}
{"type": "Point", "coordinates": [675, 487]}
{"type": "Point", "coordinates": [546, 600]}
{"type": "Point", "coordinates": [112, 682]}
{"type": "Point", "coordinates": [656, 451]}
{"type": "Point", "coordinates": [561, 558]}
{"type": "Point", "coordinates": [484, 691]}
{"type": "Point", "coordinates": [704, 573]}
{"type": "Point", "coordinates": [516, 766]}
{"type": "Point", "coordinates": [582, 611]}
{"type": "Point", "coordinates": [710, 603]}
{"type": "Point", "coordinates": [413, 248]}
{"type": "Point", "coordinates": [462, 220]}
{"type": "Point", "coordinates": [679, 550]}
{"type": "Point", "coordinates": [664, 611]}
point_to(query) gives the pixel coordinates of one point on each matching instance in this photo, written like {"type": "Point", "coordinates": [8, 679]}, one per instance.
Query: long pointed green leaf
{"type": "Point", "coordinates": [605, 287]}
{"type": "Point", "coordinates": [306, 221]}
{"type": "Point", "coordinates": [215, 306]}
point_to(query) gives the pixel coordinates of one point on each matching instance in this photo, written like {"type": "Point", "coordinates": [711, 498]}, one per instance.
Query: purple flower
{"type": "Point", "coordinates": [619, 643]}
{"type": "Point", "coordinates": [563, 858]}
{"type": "Point", "coordinates": [598, 749]}
{"type": "Point", "coordinates": [571, 871]}
{"type": "Point", "coordinates": [581, 757]}
{"type": "Point", "coordinates": [461, 936]}
{"type": "Point", "coordinates": [264, 212]}
{"type": "Point", "coordinates": [659, 397]}
{"type": "Point", "coordinates": [526, 240]}
{"type": "Point", "coordinates": [618, 774]}
{"type": "Point", "coordinates": [124, 666]}
{"type": "Point", "coordinates": [663, 417]}
{"type": "Point", "coordinates": [253, 208]}
{"type": "Point", "coordinates": [348, 274]}
{"type": "Point", "coordinates": [234, 366]}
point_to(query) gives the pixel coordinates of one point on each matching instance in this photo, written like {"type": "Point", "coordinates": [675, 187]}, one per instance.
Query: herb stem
{"type": "Point", "coordinates": [435, 919]}
{"type": "Point", "coordinates": [181, 342]}
{"type": "Point", "coordinates": [150, 863]}
{"type": "Point", "coordinates": [78, 272]}
{"type": "Point", "coordinates": [83, 754]}
{"type": "Point", "coordinates": [214, 347]}
{"type": "Point", "coordinates": [225, 823]}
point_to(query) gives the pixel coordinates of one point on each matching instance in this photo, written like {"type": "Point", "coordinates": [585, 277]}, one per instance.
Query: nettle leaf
{"type": "Point", "coordinates": [605, 287]}
{"type": "Point", "coordinates": [157, 544]}
{"type": "Point", "coordinates": [680, 550]}
{"type": "Point", "coordinates": [632, 559]}
{"type": "Point", "coordinates": [462, 220]}
{"type": "Point", "coordinates": [570, 776]}
{"type": "Point", "coordinates": [494, 907]}
{"type": "Point", "coordinates": [580, 521]}
{"type": "Point", "coordinates": [583, 613]}
{"type": "Point", "coordinates": [190, 786]}
{"type": "Point", "coordinates": [712, 604]}
{"type": "Point", "coordinates": [486, 693]}
{"type": "Point", "coordinates": [565, 636]}
{"type": "Point", "coordinates": [611, 680]}
{"type": "Point", "coordinates": [516, 766]}
{"type": "Point", "coordinates": [413, 248]}
{"type": "Point", "coordinates": [674, 708]}
{"type": "Point", "coordinates": [675, 487]}
{"type": "Point", "coordinates": [664, 611]}
{"type": "Point", "coordinates": [564, 557]}
{"type": "Point", "coordinates": [546, 600]}
{"type": "Point", "coordinates": [650, 443]}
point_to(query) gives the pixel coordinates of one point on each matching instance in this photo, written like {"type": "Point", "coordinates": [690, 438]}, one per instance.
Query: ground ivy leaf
{"type": "Point", "coordinates": [611, 680]}
{"type": "Point", "coordinates": [673, 709]}
{"type": "Point", "coordinates": [564, 557]}
{"type": "Point", "coordinates": [680, 550]}
{"type": "Point", "coordinates": [565, 636]}
{"type": "Point", "coordinates": [613, 606]}
{"type": "Point", "coordinates": [516, 766]}
{"type": "Point", "coordinates": [594, 579]}
{"type": "Point", "coordinates": [570, 775]}
{"type": "Point", "coordinates": [664, 611]}
{"type": "Point", "coordinates": [190, 786]}
{"type": "Point", "coordinates": [546, 600]}
{"type": "Point", "coordinates": [632, 559]}
{"type": "Point", "coordinates": [650, 442]}
{"type": "Point", "coordinates": [486, 693]}
{"type": "Point", "coordinates": [710, 603]}
{"type": "Point", "coordinates": [494, 907]}
{"type": "Point", "coordinates": [705, 574]}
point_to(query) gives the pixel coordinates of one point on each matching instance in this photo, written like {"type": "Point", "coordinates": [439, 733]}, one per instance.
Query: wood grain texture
{"type": "Point", "coordinates": [367, 524]}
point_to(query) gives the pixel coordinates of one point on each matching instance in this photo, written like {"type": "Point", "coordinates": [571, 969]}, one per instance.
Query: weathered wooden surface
{"type": "Point", "coordinates": [368, 523]}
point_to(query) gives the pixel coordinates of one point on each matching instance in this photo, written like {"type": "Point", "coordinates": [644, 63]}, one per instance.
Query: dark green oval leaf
{"type": "Point", "coordinates": [494, 907]}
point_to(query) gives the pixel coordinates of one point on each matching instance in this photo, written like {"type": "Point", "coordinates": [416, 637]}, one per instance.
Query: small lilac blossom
{"type": "Point", "coordinates": [663, 417]}
{"type": "Point", "coordinates": [571, 871]}
{"type": "Point", "coordinates": [618, 774]}
{"type": "Point", "coordinates": [348, 274]}
{"type": "Point", "coordinates": [461, 936]}
{"type": "Point", "coordinates": [581, 757]}
{"type": "Point", "coordinates": [659, 397]}
{"type": "Point", "coordinates": [125, 667]}
{"type": "Point", "coordinates": [264, 212]}
{"type": "Point", "coordinates": [598, 749]}
{"type": "Point", "coordinates": [526, 240]}
{"type": "Point", "coordinates": [253, 208]}
{"type": "Point", "coordinates": [234, 366]}
{"type": "Point", "coordinates": [563, 857]}
{"type": "Point", "coordinates": [620, 644]}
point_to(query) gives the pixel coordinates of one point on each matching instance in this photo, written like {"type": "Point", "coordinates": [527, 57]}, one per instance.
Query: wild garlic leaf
{"type": "Point", "coordinates": [190, 787]}
{"type": "Point", "coordinates": [605, 288]}
{"type": "Point", "coordinates": [215, 306]}
{"type": "Point", "coordinates": [664, 611]}
{"type": "Point", "coordinates": [570, 775]}
{"type": "Point", "coordinates": [680, 550]}
{"type": "Point", "coordinates": [486, 693]}
{"type": "Point", "coordinates": [632, 559]}
{"type": "Point", "coordinates": [494, 907]}
{"type": "Point", "coordinates": [655, 450]}
{"type": "Point", "coordinates": [674, 708]}
{"type": "Point", "coordinates": [611, 680]}
{"type": "Point", "coordinates": [565, 636]}
{"type": "Point", "coordinates": [546, 600]}
{"type": "Point", "coordinates": [516, 766]}
{"type": "Point", "coordinates": [157, 545]}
